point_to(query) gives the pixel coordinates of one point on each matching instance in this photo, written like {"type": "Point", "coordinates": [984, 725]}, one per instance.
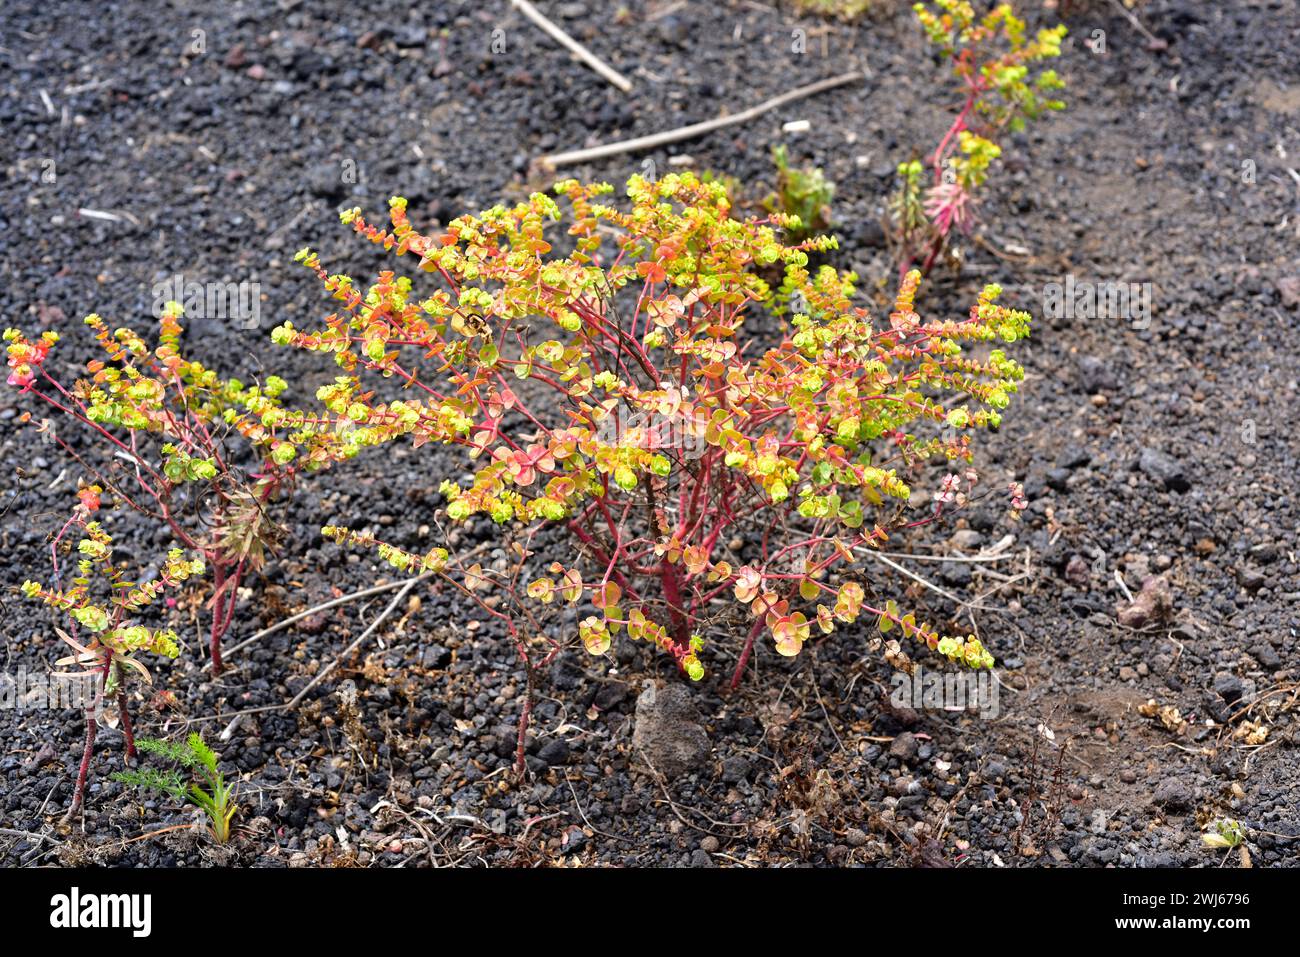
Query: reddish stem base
{"type": "Point", "coordinates": [127, 730]}
{"type": "Point", "coordinates": [79, 792]}
{"type": "Point", "coordinates": [744, 655]}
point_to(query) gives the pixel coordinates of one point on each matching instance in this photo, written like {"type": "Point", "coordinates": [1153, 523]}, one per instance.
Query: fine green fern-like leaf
{"type": "Point", "coordinates": [148, 779]}
{"type": "Point", "coordinates": [171, 750]}
{"type": "Point", "coordinates": [202, 753]}
{"type": "Point", "coordinates": [217, 800]}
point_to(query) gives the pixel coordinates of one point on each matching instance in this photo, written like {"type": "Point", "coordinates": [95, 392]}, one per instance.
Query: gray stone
{"type": "Point", "coordinates": [1267, 656]}
{"type": "Point", "coordinates": [1251, 579]}
{"type": "Point", "coordinates": [1164, 469]}
{"type": "Point", "coordinates": [1174, 796]}
{"type": "Point", "coordinates": [903, 747]}
{"type": "Point", "coordinates": [435, 656]}
{"type": "Point", "coordinates": [1074, 457]}
{"type": "Point", "coordinates": [1096, 376]}
{"type": "Point", "coordinates": [735, 769]}
{"type": "Point", "coordinates": [555, 751]}
{"type": "Point", "coordinates": [667, 730]}
{"type": "Point", "coordinates": [1058, 479]}
{"type": "Point", "coordinates": [1228, 686]}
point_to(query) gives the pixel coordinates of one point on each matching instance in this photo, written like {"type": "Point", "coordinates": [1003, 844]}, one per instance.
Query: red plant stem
{"type": "Point", "coordinates": [158, 494]}
{"type": "Point", "coordinates": [936, 161]}
{"type": "Point", "coordinates": [92, 726]}
{"type": "Point", "coordinates": [223, 609]}
{"type": "Point", "coordinates": [98, 428]}
{"type": "Point", "coordinates": [127, 731]}
{"type": "Point", "coordinates": [218, 600]}
{"type": "Point", "coordinates": [958, 125]}
{"type": "Point", "coordinates": [936, 247]}
{"type": "Point", "coordinates": [668, 576]}
{"type": "Point", "coordinates": [79, 792]}
{"type": "Point", "coordinates": [104, 479]}
{"type": "Point", "coordinates": [599, 555]}
{"type": "Point", "coordinates": [521, 765]}
{"type": "Point", "coordinates": [745, 653]}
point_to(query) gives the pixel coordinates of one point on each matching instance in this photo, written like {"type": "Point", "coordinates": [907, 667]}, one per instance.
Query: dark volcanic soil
{"type": "Point", "coordinates": [1165, 447]}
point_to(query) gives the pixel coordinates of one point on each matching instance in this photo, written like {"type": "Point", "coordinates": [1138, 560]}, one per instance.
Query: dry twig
{"type": "Point", "coordinates": [696, 129]}
{"type": "Point", "coordinates": [578, 50]}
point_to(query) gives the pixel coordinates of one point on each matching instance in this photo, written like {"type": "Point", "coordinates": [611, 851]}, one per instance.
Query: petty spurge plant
{"type": "Point", "coordinates": [802, 193]}
{"type": "Point", "coordinates": [203, 785]}
{"type": "Point", "coordinates": [612, 392]}
{"type": "Point", "coordinates": [102, 608]}
{"type": "Point", "coordinates": [174, 422]}
{"type": "Point", "coordinates": [995, 64]}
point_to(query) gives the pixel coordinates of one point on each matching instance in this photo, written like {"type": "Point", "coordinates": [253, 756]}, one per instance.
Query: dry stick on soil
{"type": "Point", "coordinates": [673, 806]}
{"type": "Point", "coordinates": [328, 669]}
{"type": "Point", "coordinates": [1155, 41]}
{"type": "Point", "coordinates": [370, 630]}
{"type": "Point", "coordinates": [28, 835]}
{"type": "Point", "coordinates": [929, 584]}
{"type": "Point", "coordinates": [580, 51]}
{"type": "Point", "coordinates": [39, 850]}
{"type": "Point", "coordinates": [324, 606]}
{"type": "Point", "coordinates": [157, 833]}
{"type": "Point", "coordinates": [342, 600]}
{"type": "Point", "coordinates": [583, 815]}
{"type": "Point", "coordinates": [948, 559]}
{"type": "Point", "coordinates": [696, 129]}
{"type": "Point", "coordinates": [424, 833]}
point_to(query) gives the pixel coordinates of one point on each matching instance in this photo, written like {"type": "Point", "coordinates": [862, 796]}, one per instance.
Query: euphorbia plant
{"type": "Point", "coordinates": [172, 421]}
{"type": "Point", "coordinates": [613, 391]}
{"type": "Point", "coordinates": [102, 608]}
{"type": "Point", "coordinates": [993, 61]}
{"type": "Point", "coordinates": [802, 192]}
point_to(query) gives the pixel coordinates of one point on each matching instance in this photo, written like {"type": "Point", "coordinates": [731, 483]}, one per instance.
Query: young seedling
{"type": "Point", "coordinates": [993, 61]}
{"type": "Point", "coordinates": [102, 607]}
{"type": "Point", "coordinates": [804, 194]}
{"type": "Point", "coordinates": [202, 784]}
{"type": "Point", "coordinates": [179, 428]}
{"type": "Point", "coordinates": [1224, 832]}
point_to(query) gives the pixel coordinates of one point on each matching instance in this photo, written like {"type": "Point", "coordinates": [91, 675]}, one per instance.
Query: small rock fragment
{"type": "Point", "coordinates": [1153, 603]}
{"type": "Point", "coordinates": [1174, 796]}
{"type": "Point", "coordinates": [904, 747]}
{"type": "Point", "coordinates": [1165, 469]}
